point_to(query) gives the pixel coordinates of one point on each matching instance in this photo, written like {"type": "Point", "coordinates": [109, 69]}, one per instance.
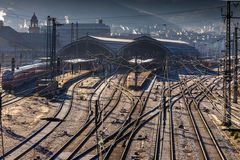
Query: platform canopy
{"type": "Point", "coordinates": [79, 61]}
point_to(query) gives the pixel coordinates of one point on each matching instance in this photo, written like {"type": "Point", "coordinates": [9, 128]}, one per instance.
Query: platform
{"type": "Point", "coordinates": [68, 77]}
{"type": "Point", "coordinates": [90, 82]}
{"type": "Point", "coordinates": [141, 78]}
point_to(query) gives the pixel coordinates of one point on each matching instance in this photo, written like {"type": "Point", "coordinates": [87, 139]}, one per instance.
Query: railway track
{"type": "Point", "coordinates": [161, 140]}
{"type": "Point", "coordinates": [21, 95]}
{"type": "Point", "coordinates": [209, 146]}
{"type": "Point", "coordinates": [142, 109]}
{"type": "Point", "coordinates": [87, 129]}
{"type": "Point", "coordinates": [115, 149]}
{"type": "Point", "coordinates": [109, 137]}
{"type": "Point", "coordinates": [172, 99]}
{"type": "Point", "coordinates": [131, 128]}
{"type": "Point", "coordinates": [146, 117]}
{"type": "Point", "coordinates": [235, 109]}
{"type": "Point", "coordinates": [215, 102]}
{"type": "Point", "coordinates": [39, 135]}
{"type": "Point", "coordinates": [228, 150]}
{"type": "Point", "coordinates": [117, 145]}
{"type": "Point", "coordinates": [172, 155]}
{"type": "Point", "coordinates": [116, 137]}
{"type": "Point", "coordinates": [15, 99]}
{"type": "Point", "coordinates": [108, 152]}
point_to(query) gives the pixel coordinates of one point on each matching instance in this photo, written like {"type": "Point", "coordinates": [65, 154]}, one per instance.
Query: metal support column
{"type": "Point", "coordinates": [1, 125]}
{"type": "Point", "coordinates": [96, 124]}
{"type": "Point", "coordinates": [53, 49]}
{"type": "Point", "coordinates": [72, 32]}
{"type": "Point", "coordinates": [136, 72]}
{"type": "Point", "coordinates": [13, 65]}
{"type": "Point", "coordinates": [227, 71]}
{"type": "Point", "coordinates": [77, 31]}
{"type": "Point", "coordinates": [49, 38]}
{"type": "Point", "coordinates": [235, 87]}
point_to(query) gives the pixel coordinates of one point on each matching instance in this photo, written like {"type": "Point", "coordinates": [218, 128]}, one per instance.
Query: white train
{"type": "Point", "coordinates": [23, 75]}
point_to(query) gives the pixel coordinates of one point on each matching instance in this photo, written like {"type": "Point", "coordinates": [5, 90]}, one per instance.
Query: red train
{"type": "Point", "coordinates": [25, 74]}
{"type": "Point", "coordinates": [11, 80]}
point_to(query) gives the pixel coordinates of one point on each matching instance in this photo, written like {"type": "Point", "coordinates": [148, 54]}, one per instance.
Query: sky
{"type": "Point", "coordinates": [185, 13]}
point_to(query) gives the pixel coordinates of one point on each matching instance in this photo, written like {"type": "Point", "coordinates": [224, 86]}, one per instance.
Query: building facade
{"type": "Point", "coordinates": [68, 33]}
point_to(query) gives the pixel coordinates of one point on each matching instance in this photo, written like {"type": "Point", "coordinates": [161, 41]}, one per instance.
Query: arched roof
{"type": "Point", "coordinates": [165, 47]}
{"type": "Point", "coordinates": [142, 46]}
{"type": "Point", "coordinates": [86, 47]}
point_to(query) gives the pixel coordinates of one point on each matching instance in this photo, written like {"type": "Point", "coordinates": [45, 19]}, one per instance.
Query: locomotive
{"type": "Point", "coordinates": [21, 75]}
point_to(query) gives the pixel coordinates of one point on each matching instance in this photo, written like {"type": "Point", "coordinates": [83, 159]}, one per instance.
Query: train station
{"type": "Point", "coordinates": [124, 50]}
{"type": "Point", "coordinates": [111, 80]}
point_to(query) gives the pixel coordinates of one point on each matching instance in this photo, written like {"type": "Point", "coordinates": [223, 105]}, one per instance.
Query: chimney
{"type": "Point", "coordinates": [100, 21]}
{"type": "Point", "coordinates": [1, 24]}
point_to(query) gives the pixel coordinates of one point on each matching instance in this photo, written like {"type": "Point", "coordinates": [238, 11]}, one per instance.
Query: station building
{"type": "Point", "coordinates": [67, 33]}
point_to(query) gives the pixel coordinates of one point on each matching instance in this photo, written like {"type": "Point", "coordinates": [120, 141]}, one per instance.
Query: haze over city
{"type": "Point", "coordinates": [185, 13]}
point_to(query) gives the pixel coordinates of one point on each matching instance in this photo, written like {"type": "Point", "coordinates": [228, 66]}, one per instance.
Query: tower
{"type": "Point", "coordinates": [34, 25]}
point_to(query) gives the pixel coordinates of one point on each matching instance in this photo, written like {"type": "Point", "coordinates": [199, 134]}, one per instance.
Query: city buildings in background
{"type": "Point", "coordinates": [32, 44]}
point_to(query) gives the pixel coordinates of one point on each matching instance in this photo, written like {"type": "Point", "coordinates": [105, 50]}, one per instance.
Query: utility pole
{"type": "Point", "coordinates": [21, 57]}
{"type": "Point", "coordinates": [48, 46]}
{"type": "Point", "coordinates": [76, 53]}
{"type": "Point", "coordinates": [76, 31]}
{"type": "Point", "coordinates": [136, 72]}
{"type": "Point", "coordinates": [96, 125]}
{"type": "Point", "coordinates": [227, 69]}
{"type": "Point", "coordinates": [72, 32]}
{"type": "Point", "coordinates": [1, 125]}
{"type": "Point", "coordinates": [58, 65]}
{"type": "Point", "coordinates": [235, 88]}
{"type": "Point", "coordinates": [168, 93]}
{"type": "Point", "coordinates": [53, 48]}
{"type": "Point", "coordinates": [13, 65]}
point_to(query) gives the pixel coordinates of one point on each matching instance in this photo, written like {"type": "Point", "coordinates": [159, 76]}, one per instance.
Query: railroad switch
{"type": "Point", "coordinates": [117, 121]}
{"type": "Point", "coordinates": [181, 126]}
{"type": "Point", "coordinates": [177, 107]}
{"type": "Point", "coordinates": [65, 133]}
{"type": "Point", "coordinates": [123, 110]}
{"type": "Point", "coordinates": [37, 158]}
{"type": "Point", "coordinates": [135, 157]}
{"type": "Point", "coordinates": [140, 137]}
{"type": "Point", "coordinates": [124, 143]}
{"type": "Point", "coordinates": [206, 110]}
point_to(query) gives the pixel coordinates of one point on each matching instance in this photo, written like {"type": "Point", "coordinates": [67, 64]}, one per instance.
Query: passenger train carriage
{"type": "Point", "coordinates": [22, 75]}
